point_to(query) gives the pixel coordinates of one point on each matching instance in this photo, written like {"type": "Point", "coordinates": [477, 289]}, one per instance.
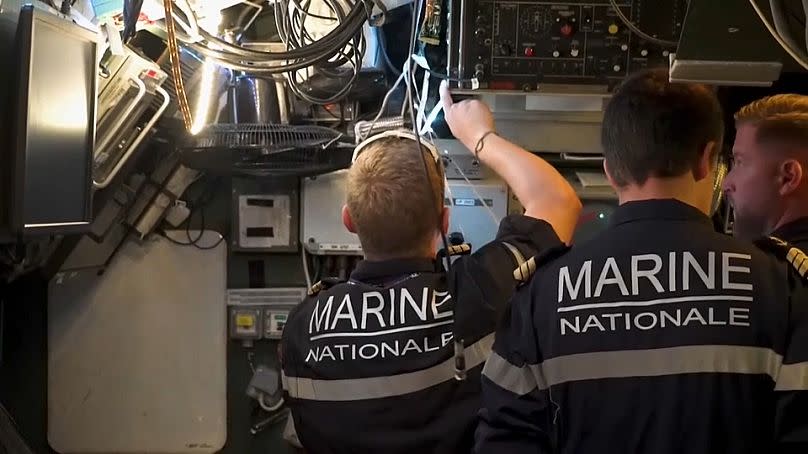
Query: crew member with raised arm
{"type": "Point", "coordinates": [659, 335]}
{"type": "Point", "coordinates": [389, 361]}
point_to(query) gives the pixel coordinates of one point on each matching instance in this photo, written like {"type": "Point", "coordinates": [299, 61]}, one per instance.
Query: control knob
{"type": "Point", "coordinates": [567, 30]}
{"type": "Point", "coordinates": [574, 52]}
{"type": "Point", "coordinates": [479, 71]}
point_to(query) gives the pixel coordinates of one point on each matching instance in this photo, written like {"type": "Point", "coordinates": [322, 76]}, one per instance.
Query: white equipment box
{"type": "Point", "coordinates": [476, 209]}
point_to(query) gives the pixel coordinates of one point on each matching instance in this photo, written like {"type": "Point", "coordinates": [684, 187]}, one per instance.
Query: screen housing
{"type": "Point", "coordinates": [52, 134]}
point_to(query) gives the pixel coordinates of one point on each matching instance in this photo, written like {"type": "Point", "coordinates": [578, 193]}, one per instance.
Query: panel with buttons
{"type": "Point", "coordinates": [519, 45]}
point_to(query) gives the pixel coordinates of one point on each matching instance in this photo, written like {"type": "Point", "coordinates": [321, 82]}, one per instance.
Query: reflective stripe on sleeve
{"type": "Point", "coordinates": [693, 359]}
{"type": "Point", "coordinates": [517, 255]}
{"type": "Point", "coordinates": [388, 386]}
{"type": "Point", "coordinates": [518, 380]}
{"type": "Point", "coordinates": [793, 377]}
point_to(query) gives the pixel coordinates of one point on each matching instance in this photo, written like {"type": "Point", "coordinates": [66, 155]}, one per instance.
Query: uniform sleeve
{"type": "Point", "coordinates": [483, 282]}
{"type": "Point", "coordinates": [516, 409]}
{"type": "Point", "coordinates": [792, 380]}
{"type": "Point", "coordinates": [529, 235]}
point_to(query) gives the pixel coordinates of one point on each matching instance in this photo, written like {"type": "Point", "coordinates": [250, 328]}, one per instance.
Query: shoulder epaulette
{"type": "Point", "coordinates": [324, 285]}
{"type": "Point", "coordinates": [526, 270]}
{"type": "Point", "coordinates": [458, 249]}
{"type": "Point", "coordinates": [785, 251]}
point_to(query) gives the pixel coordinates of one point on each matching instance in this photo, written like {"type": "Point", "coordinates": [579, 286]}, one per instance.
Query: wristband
{"type": "Point", "coordinates": [481, 144]}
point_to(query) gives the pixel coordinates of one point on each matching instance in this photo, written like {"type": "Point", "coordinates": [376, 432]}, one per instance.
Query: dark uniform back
{"type": "Point", "coordinates": [369, 364]}
{"type": "Point", "coordinates": [658, 336]}
{"type": "Point", "coordinates": [795, 233]}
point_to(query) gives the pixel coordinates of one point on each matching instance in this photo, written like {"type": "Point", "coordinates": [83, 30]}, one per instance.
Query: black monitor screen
{"type": "Point", "coordinates": [55, 124]}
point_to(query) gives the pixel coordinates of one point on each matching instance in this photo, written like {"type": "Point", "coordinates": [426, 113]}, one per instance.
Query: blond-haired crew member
{"type": "Point", "coordinates": [768, 183]}
{"type": "Point", "coordinates": [370, 363]}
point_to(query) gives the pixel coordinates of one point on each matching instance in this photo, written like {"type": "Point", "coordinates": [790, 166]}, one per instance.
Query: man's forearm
{"type": "Point", "coordinates": [543, 192]}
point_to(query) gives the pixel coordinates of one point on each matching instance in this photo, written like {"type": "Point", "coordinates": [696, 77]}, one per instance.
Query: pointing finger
{"type": "Point", "coordinates": [445, 95]}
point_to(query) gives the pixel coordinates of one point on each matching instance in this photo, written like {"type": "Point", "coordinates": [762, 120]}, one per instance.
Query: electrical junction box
{"type": "Point", "coordinates": [459, 163]}
{"type": "Point", "coordinates": [322, 231]}
{"type": "Point", "coordinates": [269, 306]}
{"type": "Point", "coordinates": [476, 208]}
{"type": "Point", "coordinates": [265, 218]}
{"type": "Point", "coordinates": [245, 323]}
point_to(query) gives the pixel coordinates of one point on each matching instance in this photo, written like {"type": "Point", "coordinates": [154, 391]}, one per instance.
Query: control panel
{"type": "Point", "coordinates": [260, 313]}
{"type": "Point", "coordinates": [512, 45]}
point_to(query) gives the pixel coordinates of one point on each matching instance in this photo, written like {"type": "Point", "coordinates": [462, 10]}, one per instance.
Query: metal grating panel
{"type": "Point", "coordinates": [265, 296]}
{"type": "Point", "coordinates": [270, 138]}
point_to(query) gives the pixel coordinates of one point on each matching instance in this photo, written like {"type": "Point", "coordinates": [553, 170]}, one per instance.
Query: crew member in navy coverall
{"type": "Point", "coordinates": [369, 364]}
{"type": "Point", "coordinates": [660, 335]}
{"type": "Point", "coordinates": [768, 183]}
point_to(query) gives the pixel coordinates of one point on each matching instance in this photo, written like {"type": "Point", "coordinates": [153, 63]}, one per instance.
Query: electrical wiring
{"type": "Point", "coordinates": [385, 101]}
{"type": "Point", "coordinates": [305, 262]}
{"type": "Point", "coordinates": [332, 60]}
{"type": "Point", "coordinates": [410, 74]}
{"type": "Point", "coordinates": [236, 57]}
{"type": "Point", "coordinates": [195, 241]}
{"type": "Point", "coordinates": [176, 71]}
{"type": "Point", "coordinates": [782, 27]}
{"type": "Point", "coordinates": [805, 22]}
{"type": "Point", "coordinates": [349, 26]}
{"type": "Point", "coordinates": [383, 50]}
{"type": "Point", "coordinates": [636, 30]}
{"type": "Point", "coordinates": [776, 35]}
{"type": "Point", "coordinates": [199, 207]}
{"type": "Point", "coordinates": [296, 35]}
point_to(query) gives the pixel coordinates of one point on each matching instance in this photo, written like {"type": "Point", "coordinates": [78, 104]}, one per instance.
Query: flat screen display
{"type": "Point", "coordinates": [55, 132]}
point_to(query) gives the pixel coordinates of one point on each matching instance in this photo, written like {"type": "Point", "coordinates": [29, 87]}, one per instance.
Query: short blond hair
{"type": "Point", "coordinates": [780, 119]}
{"type": "Point", "coordinates": [394, 208]}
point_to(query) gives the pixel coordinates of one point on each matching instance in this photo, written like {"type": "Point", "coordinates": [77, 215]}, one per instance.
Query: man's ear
{"type": "Point", "coordinates": [444, 220]}
{"type": "Point", "coordinates": [608, 174]}
{"type": "Point", "coordinates": [790, 175]}
{"type": "Point", "coordinates": [707, 161]}
{"type": "Point", "coordinates": [346, 219]}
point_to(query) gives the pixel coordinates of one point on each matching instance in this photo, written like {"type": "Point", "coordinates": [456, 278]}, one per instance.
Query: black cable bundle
{"type": "Point", "coordinates": [292, 30]}
{"type": "Point", "coordinates": [131, 14]}
{"type": "Point", "coordinates": [329, 50]}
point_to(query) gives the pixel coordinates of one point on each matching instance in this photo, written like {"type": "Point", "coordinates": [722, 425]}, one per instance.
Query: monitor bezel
{"type": "Point", "coordinates": [29, 16]}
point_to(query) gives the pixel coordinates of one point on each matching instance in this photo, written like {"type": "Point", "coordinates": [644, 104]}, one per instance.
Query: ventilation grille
{"type": "Point", "coordinates": [266, 138]}
{"type": "Point", "coordinates": [260, 150]}
{"type": "Point", "coordinates": [265, 296]}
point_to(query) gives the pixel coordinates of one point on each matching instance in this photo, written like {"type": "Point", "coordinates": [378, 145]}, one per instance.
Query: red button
{"type": "Point", "coordinates": [529, 52]}
{"type": "Point", "coordinates": [566, 30]}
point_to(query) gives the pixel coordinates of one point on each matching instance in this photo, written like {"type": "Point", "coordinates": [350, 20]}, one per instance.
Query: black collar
{"type": "Point", "coordinates": [368, 271]}
{"type": "Point", "coordinates": [658, 210]}
{"type": "Point", "coordinates": [793, 232]}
